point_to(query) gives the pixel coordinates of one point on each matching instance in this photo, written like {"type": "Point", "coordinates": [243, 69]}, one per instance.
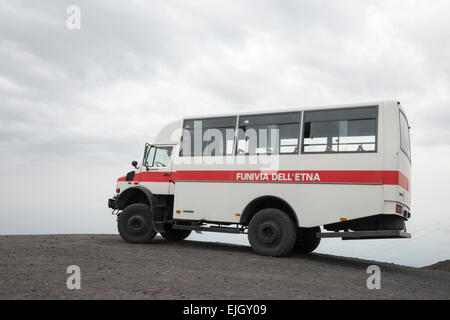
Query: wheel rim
{"type": "Point", "coordinates": [136, 224]}
{"type": "Point", "coordinates": [268, 232]}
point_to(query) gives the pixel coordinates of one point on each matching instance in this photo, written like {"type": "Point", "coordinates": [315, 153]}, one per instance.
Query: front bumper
{"type": "Point", "coordinates": [112, 203]}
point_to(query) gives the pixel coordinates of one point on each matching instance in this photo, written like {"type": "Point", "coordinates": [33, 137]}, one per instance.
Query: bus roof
{"type": "Point", "coordinates": [292, 109]}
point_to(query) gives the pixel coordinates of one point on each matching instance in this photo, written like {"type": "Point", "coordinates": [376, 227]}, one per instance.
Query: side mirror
{"type": "Point", "coordinates": [134, 164]}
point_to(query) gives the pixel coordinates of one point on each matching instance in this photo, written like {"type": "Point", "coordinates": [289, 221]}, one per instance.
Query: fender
{"type": "Point", "coordinates": [125, 196]}
{"type": "Point", "coordinates": [157, 205]}
{"type": "Point", "coordinates": [267, 201]}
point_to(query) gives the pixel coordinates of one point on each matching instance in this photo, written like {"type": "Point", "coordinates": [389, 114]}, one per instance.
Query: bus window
{"type": "Point", "coordinates": [162, 157]}
{"type": "Point", "coordinates": [269, 134]}
{"type": "Point", "coordinates": [158, 157]}
{"type": "Point", "coordinates": [404, 135]}
{"type": "Point", "coordinates": [149, 156]}
{"type": "Point", "coordinates": [340, 130]}
{"type": "Point", "coordinates": [216, 137]}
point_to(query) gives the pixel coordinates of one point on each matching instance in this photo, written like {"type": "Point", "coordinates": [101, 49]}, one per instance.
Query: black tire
{"type": "Point", "coordinates": [271, 232]}
{"type": "Point", "coordinates": [175, 235]}
{"type": "Point", "coordinates": [307, 241]}
{"type": "Point", "coordinates": [135, 224]}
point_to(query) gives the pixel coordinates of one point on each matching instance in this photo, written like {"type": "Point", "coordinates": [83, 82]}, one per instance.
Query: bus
{"type": "Point", "coordinates": [287, 178]}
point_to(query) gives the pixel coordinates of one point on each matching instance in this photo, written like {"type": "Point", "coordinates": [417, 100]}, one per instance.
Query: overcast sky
{"type": "Point", "coordinates": [76, 106]}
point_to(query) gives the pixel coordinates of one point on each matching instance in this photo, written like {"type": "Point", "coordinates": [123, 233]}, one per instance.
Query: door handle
{"type": "Point", "coordinates": [166, 174]}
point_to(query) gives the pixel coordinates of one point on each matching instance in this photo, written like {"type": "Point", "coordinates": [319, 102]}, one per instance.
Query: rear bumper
{"type": "Point", "coordinates": [361, 235]}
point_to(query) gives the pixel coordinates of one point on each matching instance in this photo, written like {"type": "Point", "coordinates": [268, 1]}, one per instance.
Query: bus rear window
{"type": "Point", "coordinates": [404, 135]}
{"type": "Point", "coordinates": [340, 130]}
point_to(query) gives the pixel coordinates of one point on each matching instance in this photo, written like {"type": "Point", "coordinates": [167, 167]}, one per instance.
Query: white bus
{"type": "Point", "coordinates": [278, 176]}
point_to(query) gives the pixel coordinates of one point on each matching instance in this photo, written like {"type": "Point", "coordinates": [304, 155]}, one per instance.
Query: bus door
{"type": "Point", "coordinates": [156, 171]}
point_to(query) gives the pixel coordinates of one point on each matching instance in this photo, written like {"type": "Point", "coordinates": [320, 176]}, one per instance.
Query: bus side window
{"type": "Point", "coordinates": [404, 135]}
{"type": "Point", "coordinates": [269, 134]}
{"type": "Point", "coordinates": [208, 137]}
{"type": "Point", "coordinates": [340, 130]}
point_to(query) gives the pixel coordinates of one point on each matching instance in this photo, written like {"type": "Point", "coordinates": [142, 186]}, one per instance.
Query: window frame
{"type": "Point", "coordinates": [408, 155]}
{"type": "Point", "coordinates": [302, 149]}
{"type": "Point", "coordinates": [233, 149]}
{"type": "Point", "coordinates": [300, 117]}
{"type": "Point", "coordinates": [156, 153]}
{"type": "Point", "coordinates": [147, 150]}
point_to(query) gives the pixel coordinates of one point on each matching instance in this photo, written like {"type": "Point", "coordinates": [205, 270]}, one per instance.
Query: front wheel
{"type": "Point", "coordinates": [271, 232]}
{"type": "Point", "coordinates": [307, 241]}
{"type": "Point", "coordinates": [135, 223]}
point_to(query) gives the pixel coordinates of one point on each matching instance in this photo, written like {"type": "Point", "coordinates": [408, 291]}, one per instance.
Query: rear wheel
{"type": "Point", "coordinates": [135, 224]}
{"type": "Point", "coordinates": [307, 241]}
{"type": "Point", "coordinates": [271, 232]}
{"type": "Point", "coordinates": [175, 235]}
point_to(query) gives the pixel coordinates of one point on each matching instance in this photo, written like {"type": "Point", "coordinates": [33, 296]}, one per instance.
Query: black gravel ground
{"type": "Point", "coordinates": [34, 267]}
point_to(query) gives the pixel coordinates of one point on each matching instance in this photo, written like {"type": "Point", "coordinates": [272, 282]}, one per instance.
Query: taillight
{"type": "Point", "coordinates": [398, 208]}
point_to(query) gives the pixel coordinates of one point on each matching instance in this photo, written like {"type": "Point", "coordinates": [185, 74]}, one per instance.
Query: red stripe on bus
{"type": "Point", "coordinates": [156, 176]}
{"type": "Point", "coordinates": [403, 181]}
{"type": "Point", "coordinates": [315, 176]}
